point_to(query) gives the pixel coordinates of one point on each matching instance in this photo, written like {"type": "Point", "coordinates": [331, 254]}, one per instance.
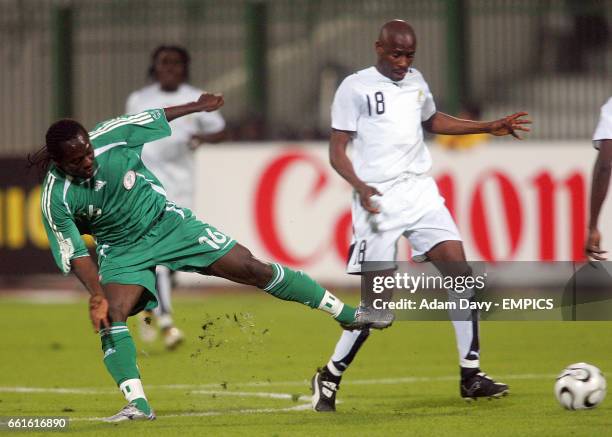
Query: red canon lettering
{"type": "Point", "coordinates": [446, 185]}
{"type": "Point", "coordinates": [266, 216]}
{"type": "Point", "coordinates": [547, 187]}
{"type": "Point", "coordinates": [546, 205]}
{"type": "Point", "coordinates": [342, 235]}
{"type": "Point", "coordinates": [513, 214]}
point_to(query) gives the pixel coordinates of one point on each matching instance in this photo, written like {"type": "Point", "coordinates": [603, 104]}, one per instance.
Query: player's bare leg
{"type": "Point", "coordinates": [449, 259]}
{"type": "Point", "coordinates": [240, 266]}
{"type": "Point", "coordinates": [120, 352]}
{"type": "Point", "coordinates": [450, 251]}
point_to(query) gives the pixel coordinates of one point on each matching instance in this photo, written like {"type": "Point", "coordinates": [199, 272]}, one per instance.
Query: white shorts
{"type": "Point", "coordinates": [374, 240]}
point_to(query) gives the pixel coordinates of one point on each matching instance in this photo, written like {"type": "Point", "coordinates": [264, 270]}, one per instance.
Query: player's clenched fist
{"type": "Point", "coordinates": [366, 193]}
{"type": "Point", "coordinates": [210, 102]}
{"type": "Point", "coordinates": [98, 311]}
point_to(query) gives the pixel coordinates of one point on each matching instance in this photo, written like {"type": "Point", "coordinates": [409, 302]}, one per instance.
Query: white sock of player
{"type": "Point", "coordinates": [466, 333]}
{"type": "Point", "coordinates": [164, 287]}
{"type": "Point", "coordinates": [465, 322]}
{"type": "Point", "coordinates": [347, 347]}
{"type": "Point", "coordinates": [132, 390]}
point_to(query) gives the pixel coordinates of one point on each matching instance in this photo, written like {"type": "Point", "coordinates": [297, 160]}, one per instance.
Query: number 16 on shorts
{"type": "Point", "coordinates": [214, 239]}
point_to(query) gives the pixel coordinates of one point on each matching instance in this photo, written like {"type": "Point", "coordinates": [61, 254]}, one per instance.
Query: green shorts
{"type": "Point", "coordinates": [178, 240]}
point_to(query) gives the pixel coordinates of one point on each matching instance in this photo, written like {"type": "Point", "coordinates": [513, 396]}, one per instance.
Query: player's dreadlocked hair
{"type": "Point", "coordinates": [178, 49]}
{"type": "Point", "coordinates": [58, 133]}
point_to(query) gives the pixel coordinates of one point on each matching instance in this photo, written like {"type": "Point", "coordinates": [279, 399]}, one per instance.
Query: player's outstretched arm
{"type": "Point", "coordinates": [207, 102]}
{"type": "Point", "coordinates": [441, 123]}
{"type": "Point", "coordinates": [344, 167]}
{"type": "Point", "coordinates": [599, 190]}
{"type": "Point", "coordinates": [85, 269]}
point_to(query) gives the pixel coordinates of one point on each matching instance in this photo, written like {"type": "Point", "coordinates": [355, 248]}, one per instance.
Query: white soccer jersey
{"type": "Point", "coordinates": [171, 158]}
{"type": "Point", "coordinates": [386, 117]}
{"type": "Point", "coordinates": [603, 131]}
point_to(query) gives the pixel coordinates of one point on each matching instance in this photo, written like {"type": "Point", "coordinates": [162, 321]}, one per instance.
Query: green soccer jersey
{"type": "Point", "coordinates": [119, 203]}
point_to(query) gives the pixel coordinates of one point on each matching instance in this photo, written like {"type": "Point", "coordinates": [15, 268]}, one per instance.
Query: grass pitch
{"type": "Point", "coordinates": [245, 366]}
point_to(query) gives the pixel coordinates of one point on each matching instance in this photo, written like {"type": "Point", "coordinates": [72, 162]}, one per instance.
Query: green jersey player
{"type": "Point", "coordinates": [96, 183]}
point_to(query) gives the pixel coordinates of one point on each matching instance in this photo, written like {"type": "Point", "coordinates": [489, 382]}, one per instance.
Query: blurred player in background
{"type": "Point", "coordinates": [383, 110]}
{"type": "Point", "coordinates": [96, 183]}
{"type": "Point", "coordinates": [602, 140]}
{"type": "Point", "coordinates": [171, 159]}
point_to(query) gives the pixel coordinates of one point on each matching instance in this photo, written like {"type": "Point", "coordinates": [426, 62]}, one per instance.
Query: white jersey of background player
{"type": "Point", "coordinates": [383, 111]}
{"type": "Point", "coordinates": [171, 158]}
{"type": "Point", "coordinates": [602, 140]}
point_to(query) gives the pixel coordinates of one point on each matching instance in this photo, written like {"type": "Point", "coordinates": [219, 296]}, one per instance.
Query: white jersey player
{"type": "Point", "coordinates": [383, 111]}
{"type": "Point", "coordinates": [171, 158]}
{"type": "Point", "coordinates": [602, 140]}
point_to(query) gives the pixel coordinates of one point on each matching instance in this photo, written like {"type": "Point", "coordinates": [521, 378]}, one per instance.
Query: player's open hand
{"type": "Point", "coordinates": [98, 311]}
{"type": "Point", "coordinates": [510, 124]}
{"type": "Point", "coordinates": [592, 249]}
{"type": "Point", "coordinates": [210, 102]}
{"type": "Point", "coordinates": [365, 196]}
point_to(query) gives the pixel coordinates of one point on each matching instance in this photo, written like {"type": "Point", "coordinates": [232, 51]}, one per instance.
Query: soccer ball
{"type": "Point", "coordinates": [580, 386]}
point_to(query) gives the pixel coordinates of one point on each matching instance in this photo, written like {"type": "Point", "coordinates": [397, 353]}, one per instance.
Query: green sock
{"type": "Point", "coordinates": [287, 284]}
{"type": "Point", "coordinates": [120, 361]}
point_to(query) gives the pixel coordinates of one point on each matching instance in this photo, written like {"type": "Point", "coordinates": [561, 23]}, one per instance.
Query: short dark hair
{"type": "Point", "coordinates": [183, 53]}
{"type": "Point", "coordinates": [58, 133]}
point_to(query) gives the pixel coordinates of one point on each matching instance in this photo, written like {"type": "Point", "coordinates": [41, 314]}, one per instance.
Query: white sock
{"type": "Point", "coordinates": [331, 304]}
{"type": "Point", "coordinates": [164, 287]}
{"type": "Point", "coordinates": [165, 321]}
{"type": "Point", "coordinates": [464, 333]}
{"type": "Point", "coordinates": [333, 369]}
{"type": "Point", "coordinates": [346, 347]}
{"type": "Point", "coordinates": [132, 389]}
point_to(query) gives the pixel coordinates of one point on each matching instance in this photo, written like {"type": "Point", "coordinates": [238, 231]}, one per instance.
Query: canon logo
{"type": "Point", "coordinates": [501, 216]}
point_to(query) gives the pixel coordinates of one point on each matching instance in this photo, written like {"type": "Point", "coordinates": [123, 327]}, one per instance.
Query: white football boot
{"type": "Point", "coordinates": [129, 412]}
